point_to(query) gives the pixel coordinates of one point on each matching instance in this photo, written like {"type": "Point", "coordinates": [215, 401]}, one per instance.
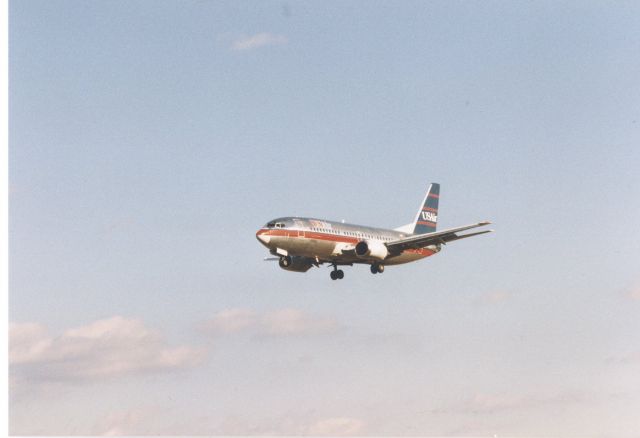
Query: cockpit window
{"type": "Point", "coordinates": [275, 224]}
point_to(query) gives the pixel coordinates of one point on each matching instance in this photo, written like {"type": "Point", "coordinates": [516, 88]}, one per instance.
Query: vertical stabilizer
{"type": "Point", "coordinates": [427, 217]}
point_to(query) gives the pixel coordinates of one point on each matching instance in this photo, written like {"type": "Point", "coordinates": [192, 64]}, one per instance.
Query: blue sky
{"type": "Point", "coordinates": [149, 141]}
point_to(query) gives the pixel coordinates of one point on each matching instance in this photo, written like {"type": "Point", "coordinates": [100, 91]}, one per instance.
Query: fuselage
{"type": "Point", "coordinates": [324, 240]}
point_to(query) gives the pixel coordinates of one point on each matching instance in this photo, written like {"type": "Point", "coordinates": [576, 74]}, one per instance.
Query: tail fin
{"type": "Point", "coordinates": [427, 217]}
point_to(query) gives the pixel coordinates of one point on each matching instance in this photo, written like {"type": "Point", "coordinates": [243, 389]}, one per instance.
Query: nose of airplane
{"type": "Point", "coordinates": [263, 237]}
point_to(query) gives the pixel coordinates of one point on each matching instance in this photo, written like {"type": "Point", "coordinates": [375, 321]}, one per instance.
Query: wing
{"type": "Point", "coordinates": [438, 237]}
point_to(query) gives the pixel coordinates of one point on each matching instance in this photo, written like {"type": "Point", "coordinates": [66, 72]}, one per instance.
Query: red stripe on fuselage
{"type": "Point", "coordinates": [329, 237]}
{"type": "Point", "coordinates": [310, 235]}
{"type": "Point", "coordinates": [332, 238]}
{"type": "Point", "coordinates": [421, 251]}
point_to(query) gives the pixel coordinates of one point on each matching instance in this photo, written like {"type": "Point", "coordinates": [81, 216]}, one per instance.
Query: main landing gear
{"type": "Point", "coordinates": [336, 274]}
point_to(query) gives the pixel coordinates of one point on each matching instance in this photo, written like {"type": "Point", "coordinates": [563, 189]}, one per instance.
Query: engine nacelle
{"type": "Point", "coordinates": [372, 250]}
{"type": "Point", "coordinates": [295, 264]}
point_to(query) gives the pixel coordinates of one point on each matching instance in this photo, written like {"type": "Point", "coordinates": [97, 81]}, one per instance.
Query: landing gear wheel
{"type": "Point", "coordinates": [377, 268]}
{"type": "Point", "coordinates": [285, 261]}
{"type": "Point", "coordinates": [380, 269]}
{"type": "Point", "coordinates": [374, 269]}
{"type": "Point", "coordinates": [336, 274]}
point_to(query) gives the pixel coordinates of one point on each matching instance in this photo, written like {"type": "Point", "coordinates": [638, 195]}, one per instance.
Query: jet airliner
{"type": "Point", "coordinates": [300, 243]}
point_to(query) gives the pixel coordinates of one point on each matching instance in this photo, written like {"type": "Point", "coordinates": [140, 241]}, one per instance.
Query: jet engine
{"type": "Point", "coordinates": [372, 250]}
{"type": "Point", "coordinates": [295, 264]}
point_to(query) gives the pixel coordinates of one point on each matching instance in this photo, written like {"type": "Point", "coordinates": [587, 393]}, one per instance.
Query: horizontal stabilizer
{"type": "Point", "coordinates": [439, 237]}
{"type": "Point", "coordinates": [407, 229]}
{"type": "Point", "coordinates": [464, 236]}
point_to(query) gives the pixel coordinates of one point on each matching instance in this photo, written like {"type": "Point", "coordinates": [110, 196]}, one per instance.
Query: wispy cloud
{"type": "Point", "coordinates": [152, 419]}
{"type": "Point", "coordinates": [233, 320]}
{"type": "Point", "coordinates": [258, 40]}
{"type": "Point", "coordinates": [339, 426]}
{"type": "Point", "coordinates": [295, 322]}
{"type": "Point", "coordinates": [292, 424]}
{"type": "Point", "coordinates": [105, 348]}
{"type": "Point", "coordinates": [483, 403]}
{"type": "Point", "coordinates": [281, 322]}
{"type": "Point", "coordinates": [493, 297]}
{"type": "Point", "coordinates": [634, 293]}
{"type": "Point", "coordinates": [131, 422]}
{"type": "Point", "coordinates": [631, 357]}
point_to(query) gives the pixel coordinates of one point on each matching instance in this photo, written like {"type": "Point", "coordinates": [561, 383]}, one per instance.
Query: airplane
{"type": "Point", "coordinates": [300, 242]}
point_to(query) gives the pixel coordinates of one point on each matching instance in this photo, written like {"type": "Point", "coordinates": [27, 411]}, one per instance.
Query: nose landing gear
{"type": "Point", "coordinates": [285, 261]}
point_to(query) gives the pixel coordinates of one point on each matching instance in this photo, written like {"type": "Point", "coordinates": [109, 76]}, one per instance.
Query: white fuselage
{"type": "Point", "coordinates": [326, 241]}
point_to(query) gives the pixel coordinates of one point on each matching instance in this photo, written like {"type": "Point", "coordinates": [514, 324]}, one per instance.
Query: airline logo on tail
{"type": "Point", "coordinates": [427, 216]}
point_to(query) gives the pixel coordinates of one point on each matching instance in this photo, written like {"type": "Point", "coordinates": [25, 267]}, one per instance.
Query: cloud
{"type": "Point", "coordinates": [337, 426]}
{"type": "Point", "coordinates": [632, 357]}
{"type": "Point", "coordinates": [295, 322]}
{"type": "Point", "coordinates": [233, 320]}
{"type": "Point", "coordinates": [105, 348]}
{"type": "Point", "coordinates": [27, 341]}
{"type": "Point", "coordinates": [121, 423]}
{"type": "Point", "coordinates": [277, 323]}
{"type": "Point", "coordinates": [487, 403]}
{"type": "Point", "coordinates": [144, 421]}
{"type": "Point", "coordinates": [291, 424]}
{"type": "Point", "coordinates": [493, 297]}
{"type": "Point", "coordinates": [483, 403]}
{"type": "Point", "coordinates": [258, 40]}
{"type": "Point", "coordinates": [634, 293]}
